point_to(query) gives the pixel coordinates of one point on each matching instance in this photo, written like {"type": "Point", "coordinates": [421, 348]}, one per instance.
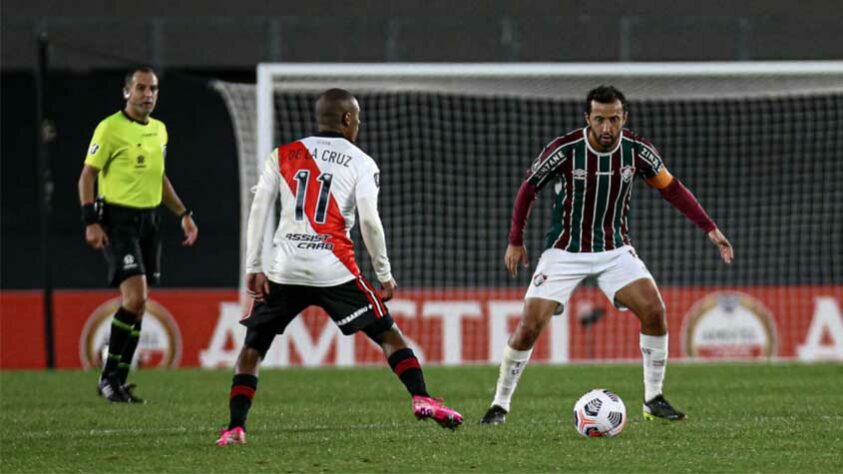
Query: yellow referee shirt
{"type": "Point", "coordinates": [130, 156]}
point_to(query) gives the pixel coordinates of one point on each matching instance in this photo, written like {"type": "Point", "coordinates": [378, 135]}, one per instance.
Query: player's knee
{"type": "Point", "coordinates": [136, 304]}
{"type": "Point", "coordinates": [654, 317]}
{"type": "Point", "coordinates": [525, 334]}
{"type": "Point", "coordinates": [655, 311]}
{"type": "Point", "coordinates": [384, 332]}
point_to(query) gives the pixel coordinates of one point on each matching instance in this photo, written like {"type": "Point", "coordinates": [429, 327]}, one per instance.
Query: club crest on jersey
{"type": "Point", "coordinates": [539, 279]}
{"type": "Point", "coordinates": [579, 174]}
{"type": "Point", "coordinates": [627, 172]}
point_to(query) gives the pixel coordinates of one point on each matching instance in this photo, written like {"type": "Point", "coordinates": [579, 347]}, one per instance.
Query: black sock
{"type": "Point", "coordinates": [407, 368]}
{"type": "Point", "coordinates": [129, 352]}
{"type": "Point", "coordinates": [121, 328]}
{"type": "Point", "coordinates": [243, 388]}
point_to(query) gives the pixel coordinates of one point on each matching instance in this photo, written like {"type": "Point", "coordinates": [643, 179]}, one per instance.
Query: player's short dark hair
{"type": "Point", "coordinates": [130, 74]}
{"type": "Point", "coordinates": [331, 105]}
{"type": "Point", "coordinates": [605, 95]}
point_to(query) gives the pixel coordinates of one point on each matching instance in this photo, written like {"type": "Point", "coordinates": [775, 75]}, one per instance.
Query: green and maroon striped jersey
{"type": "Point", "coordinates": [593, 189]}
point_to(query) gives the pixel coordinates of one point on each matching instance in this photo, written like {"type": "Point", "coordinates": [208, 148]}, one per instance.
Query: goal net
{"type": "Point", "coordinates": [759, 144]}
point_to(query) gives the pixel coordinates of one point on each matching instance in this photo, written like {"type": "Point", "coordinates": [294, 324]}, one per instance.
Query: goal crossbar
{"type": "Point", "coordinates": [266, 72]}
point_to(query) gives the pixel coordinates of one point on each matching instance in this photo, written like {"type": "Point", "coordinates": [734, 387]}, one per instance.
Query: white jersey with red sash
{"type": "Point", "coordinates": [320, 180]}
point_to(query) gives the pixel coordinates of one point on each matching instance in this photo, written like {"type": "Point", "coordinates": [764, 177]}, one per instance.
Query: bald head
{"type": "Point", "coordinates": [337, 111]}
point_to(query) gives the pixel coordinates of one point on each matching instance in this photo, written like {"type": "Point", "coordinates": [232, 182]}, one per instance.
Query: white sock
{"type": "Point", "coordinates": [511, 368]}
{"type": "Point", "coordinates": [654, 352]}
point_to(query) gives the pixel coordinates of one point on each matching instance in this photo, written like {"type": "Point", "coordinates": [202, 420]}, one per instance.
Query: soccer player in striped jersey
{"type": "Point", "coordinates": [322, 181]}
{"type": "Point", "coordinates": [592, 172]}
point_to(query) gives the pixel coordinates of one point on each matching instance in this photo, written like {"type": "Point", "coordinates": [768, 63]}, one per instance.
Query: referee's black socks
{"type": "Point", "coordinates": [243, 388]}
{"type": "Point", "coordinates": [121, 329]}
{"type": "Point", "coordinates": [405, 365]}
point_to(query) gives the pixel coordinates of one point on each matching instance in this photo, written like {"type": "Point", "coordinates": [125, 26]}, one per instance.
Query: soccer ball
{"type": "Point", "coordinates": [599, 413]}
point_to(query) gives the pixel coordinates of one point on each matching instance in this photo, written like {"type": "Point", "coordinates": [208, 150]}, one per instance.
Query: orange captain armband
{"type": "Point", "coordinates": [661, 180]}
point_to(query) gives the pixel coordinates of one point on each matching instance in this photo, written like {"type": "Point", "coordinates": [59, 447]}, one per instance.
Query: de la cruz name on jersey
{"type": "Point", "coordinates": [593, 189]}
{"type": "Point", "coordinates": [320, 180]}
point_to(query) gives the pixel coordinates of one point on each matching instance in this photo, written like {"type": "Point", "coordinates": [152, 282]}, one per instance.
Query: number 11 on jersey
{"type": "Point", "coordinates": [302, 180]}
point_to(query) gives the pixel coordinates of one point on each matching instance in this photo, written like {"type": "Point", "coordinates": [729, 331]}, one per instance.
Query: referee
{"type": "Point", "coordinates": [126, 159]}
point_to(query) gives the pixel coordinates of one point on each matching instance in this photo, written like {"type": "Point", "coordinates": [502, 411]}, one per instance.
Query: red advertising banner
{"type": "Point", "coordinates": [200, 328]}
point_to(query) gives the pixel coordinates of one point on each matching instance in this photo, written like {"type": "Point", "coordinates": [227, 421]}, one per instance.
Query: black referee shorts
{"type": "Point", "coordinates": [353, 306]}
{"type": "Point", "coordinates": [134, 244]}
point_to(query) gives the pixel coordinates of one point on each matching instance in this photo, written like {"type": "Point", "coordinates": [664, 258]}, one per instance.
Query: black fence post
{"type": "Point", "coordinates": [45, 134]}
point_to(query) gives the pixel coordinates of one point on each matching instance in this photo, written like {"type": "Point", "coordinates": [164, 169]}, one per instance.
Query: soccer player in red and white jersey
{"type": "Point", "coordinates": [322, 181]}
{"type": "Point", "coordinates": [592, 170]}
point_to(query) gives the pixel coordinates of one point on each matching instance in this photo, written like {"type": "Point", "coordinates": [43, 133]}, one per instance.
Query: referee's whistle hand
{"type": "Point", "coordinates": [95, 236]}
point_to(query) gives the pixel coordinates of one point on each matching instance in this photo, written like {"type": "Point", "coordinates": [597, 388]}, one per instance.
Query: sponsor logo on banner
{"type": "Point", "coordinates": [729, 325]}
{"type": "Point", "coordinates": [824, 340]}
{"type": "Point", "coordinates": [160, 342]}
{"type": "Point", "coordinates": [312, 339]}
{"type": "Point", "coordinates": [442, 326]}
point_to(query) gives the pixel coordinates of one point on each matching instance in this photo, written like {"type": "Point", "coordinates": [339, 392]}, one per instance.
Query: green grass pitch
{"type": "Point", "coordinates": [742, 418]}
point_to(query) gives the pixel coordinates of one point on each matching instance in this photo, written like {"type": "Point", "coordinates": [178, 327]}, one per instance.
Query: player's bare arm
{"type": "Point", "coordinates": [174, 204]}
{"type": "Point", "coordinates": [94, 234]}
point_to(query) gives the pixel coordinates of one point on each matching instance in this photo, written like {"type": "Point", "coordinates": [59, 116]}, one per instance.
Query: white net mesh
{"type": "Point", "coordinates": [240, 101]}
{"type": "Point", "coordinates": [760, 150]}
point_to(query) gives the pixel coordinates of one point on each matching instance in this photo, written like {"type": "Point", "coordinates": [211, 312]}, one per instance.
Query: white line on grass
{"type": "Point", "coordinates": [183, 430]}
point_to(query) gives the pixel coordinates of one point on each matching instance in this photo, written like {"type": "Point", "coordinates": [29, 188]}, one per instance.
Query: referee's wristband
{"type": "Point", "coordinates": [186, 213]}
{"type": "Point", "coordinates": [89, 214]}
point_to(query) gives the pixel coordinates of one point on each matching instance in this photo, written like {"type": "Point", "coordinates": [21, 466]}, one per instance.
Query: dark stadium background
{"type": "Point", "coordinates": [192, 41]}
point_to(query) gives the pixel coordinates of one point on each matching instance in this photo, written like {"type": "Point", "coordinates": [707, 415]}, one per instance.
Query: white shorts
{"type": "Point", "coordinates": [559, 272]}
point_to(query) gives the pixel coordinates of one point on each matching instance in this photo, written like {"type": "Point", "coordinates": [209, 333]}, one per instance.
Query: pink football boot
{"type": "Point", "coordinates": [233, 436]}
{"type": "Point", "coordinates": [427, 407]}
